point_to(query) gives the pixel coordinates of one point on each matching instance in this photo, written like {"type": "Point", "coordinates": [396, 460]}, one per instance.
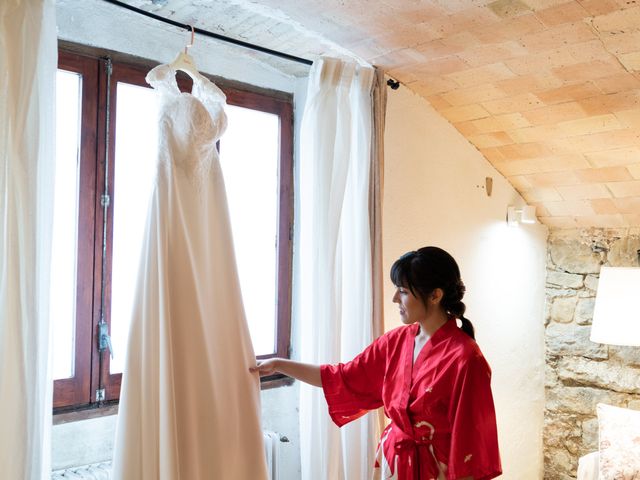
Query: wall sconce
{"type": "Point", "coordinates": [616, 315]}
{"type": "Point", "coordinates": [516, 215]}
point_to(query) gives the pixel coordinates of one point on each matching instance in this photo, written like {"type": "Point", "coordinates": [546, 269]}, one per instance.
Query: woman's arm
{"type": "Point", "coordinates": [304, 372]}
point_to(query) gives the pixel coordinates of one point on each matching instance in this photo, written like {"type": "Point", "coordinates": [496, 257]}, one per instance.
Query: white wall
{"type": "Point", "coordinates": [433, 195]}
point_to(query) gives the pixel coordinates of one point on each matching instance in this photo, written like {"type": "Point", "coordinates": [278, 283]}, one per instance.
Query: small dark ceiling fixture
{"type": "Point", "coordinates": [394, 84]}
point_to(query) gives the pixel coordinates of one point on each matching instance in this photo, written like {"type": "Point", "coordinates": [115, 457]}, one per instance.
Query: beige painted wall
{"type": "Point", "coordinates": [434, 195]}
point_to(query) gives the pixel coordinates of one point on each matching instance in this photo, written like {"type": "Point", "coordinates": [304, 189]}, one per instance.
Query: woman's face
{"type": "Point", "coordinates": [412, 308]}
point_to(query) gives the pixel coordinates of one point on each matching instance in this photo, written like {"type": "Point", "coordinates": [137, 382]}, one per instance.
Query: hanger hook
{"type": "Point", "coordinates": [193, 36]}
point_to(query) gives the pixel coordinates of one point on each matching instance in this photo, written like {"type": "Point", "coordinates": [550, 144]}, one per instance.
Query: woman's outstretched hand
{"type": "Point", "coordinates": [301, 371]}
{"type": "Point", "coordinates": [265, 367]}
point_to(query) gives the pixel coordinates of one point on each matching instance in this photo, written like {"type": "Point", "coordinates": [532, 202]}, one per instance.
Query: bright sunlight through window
{"type": "Point", "coordinates": [65, 223]}
{"type": "Point", "coordinates": [249, 154]}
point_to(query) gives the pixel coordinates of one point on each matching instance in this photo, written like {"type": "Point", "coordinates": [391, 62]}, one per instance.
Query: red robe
{"type": "Point", "coordinates": [441, 407]}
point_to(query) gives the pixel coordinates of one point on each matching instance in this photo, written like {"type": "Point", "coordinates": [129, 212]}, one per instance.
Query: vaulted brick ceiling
{"type": "Point", "coordinates": [547, 90]}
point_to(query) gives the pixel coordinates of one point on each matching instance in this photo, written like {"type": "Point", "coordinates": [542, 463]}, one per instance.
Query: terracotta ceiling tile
{"type": "Point", "coordinates": [619, 42]}
{"type": "Point", "coordinates": [625, 189]}
{"type": "Point", "coordinates": [429, 85]}
{"type": "Point", "coordinates": [589, 51]}
{"type": "Point", "coordinates": [529, 83]}
{"type": "Point", "coordinates": [541, 195]}
{"type": "Point", "coordinates": [604, 174]}
{"type": "Point", "coordinates": [558, 222]}
{"type": "Point", "coordinates": [520, 182]}
{"type": "Point", "coordinates": [630, 118]}
{"type": "Point", "coordinates": [461, 40]}
{"type": "Point", "coordinates": [631, 61]}
{"type": "Point", "coordinates": [508, 121]}
{"type": "Point", "coordinates": [583, 192]}
{"type": "Point", "coordinates": [590, 125]}
{"type": "Point", "coordinates": [467, 128]}
{"type": "Point", "coordinates": [564, 13]}
{"type": "Point", "coordinates": [541, 210]}
{"type": "Point", "coordinates": [454, 6]}
{"type": "Point", "coordinates": [465, 96]}
{"type": "Point", "coordinates": [614, 157]}
{"type": "Point", "coordinates": [634, 170]}
{"type": "Point", "coordinates": [587, 71]}
{"type": "Point", "coordinates": [540, 133]}
{"type": "Point", "coordinates": [487, 140]}
{"type": "Point", "coordinates": [529, 166]}
{"type": "Point", "coordinates": [541, 62]}
{"type": "Point", "coordinates": [552, 179]}
{"type": "Point", "coordinates": [628, 205]}
{"type": "Point", "coordinates": [404, 74]}
{"type": "Point", "coordinates": [618, 83]}
{"type": "Point", "coordinates": [544, 4]}
{"type": "Point", "coordinates": [570, 208]}
{"type": "Point", "coordinates": [370, 48]}
{"type": "Point", "coordinates": [441, 66]}
{"type": "Point", "coordinates": [557, 37]}
{"type": "Point", "coordinates": [492, 154]}
{"type": "Point", "coordinates": [518, 103]}
{"type": "Point", "coordinates": [422, 12]}
{"type": "Point", "coordinates": [568, 93]}
{"type": "Point", "coordinates": [508, 8]}
{"type": "Point", "coordinates": [485, 54]}
{"type": "Point", "coordinates": [631, 219]}
{"type": "Point", "coordinates": [437, 49]}
{"type": "Point", "coordinates": [510, 29]}
{"type": "Point", "coordinates": [438, 102]}
{"type": "Point", "coordinates": [480, 75]}
{"type": "Point", "coordinates": [604, 206]}
{"type": "Point", "coordinates": [599, 7]}
{"type": "Point", "coordinates": [618, 21]}
{"type": "Point", "coordinates": [406, 58]}
{"type": "Point", "coordinates": [464, 112]}
{"type": "Point", "coordinates": [525, 150]}
{"type": "Point", "coordinates": [596, 142]}
{"type": "Point", "coordinates": [473, 18]}
{"type": "Point", "coordinates": [601, 221]}
{"type": "Point", "coordinates": [555, 113]}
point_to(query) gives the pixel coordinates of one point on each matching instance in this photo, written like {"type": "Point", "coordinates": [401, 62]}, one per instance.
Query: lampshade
{"type": "Point", "coordinates": [616, 316]}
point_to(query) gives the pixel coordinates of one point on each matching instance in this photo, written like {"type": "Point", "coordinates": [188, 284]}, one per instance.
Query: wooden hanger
{"type": "Point", "coordinates": [184, 62]}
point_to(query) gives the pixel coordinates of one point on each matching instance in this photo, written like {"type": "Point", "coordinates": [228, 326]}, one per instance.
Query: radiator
{"type": "Point", "coordinates": [102, 471]}
{"type": "Point", "coordinates": [96, 471]}
{"type": "Point", "coordinates": [271, 450]}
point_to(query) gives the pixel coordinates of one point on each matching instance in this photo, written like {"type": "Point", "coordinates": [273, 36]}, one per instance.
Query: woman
{"type": "Point", "coordinates": [429, 375]}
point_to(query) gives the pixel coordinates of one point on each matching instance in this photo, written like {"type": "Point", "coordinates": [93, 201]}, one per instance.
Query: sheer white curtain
{"type": "Point", "coordinates": [335, 259]}
{"type": "Point", "coordinates": [28, 60]}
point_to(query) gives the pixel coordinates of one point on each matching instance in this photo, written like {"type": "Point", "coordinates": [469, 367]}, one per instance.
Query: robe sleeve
{"type": "Point", "coordinates": [474, 437]}
{"type": "Point", "coordinates": [353, 388]}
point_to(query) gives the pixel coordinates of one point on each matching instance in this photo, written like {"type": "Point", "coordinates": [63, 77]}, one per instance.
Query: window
{"type": "Point", "coordinates": [101, 195]}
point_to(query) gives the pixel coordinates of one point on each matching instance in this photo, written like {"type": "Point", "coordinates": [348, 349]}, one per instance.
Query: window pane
{"type": "Point", "coordinates": [249, 152]}
{"type": "Point", "coordinates": [135, 160]}
{"type": "Point", "coordinates": [65, 223]}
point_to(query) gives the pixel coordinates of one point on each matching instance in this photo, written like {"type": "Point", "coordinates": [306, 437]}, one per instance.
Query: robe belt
{"type": "Point", "coordinates": [412, 445]}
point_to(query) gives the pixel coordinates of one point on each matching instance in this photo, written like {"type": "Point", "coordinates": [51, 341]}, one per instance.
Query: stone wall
{"type": "Point", "coordinates": [580, 373]}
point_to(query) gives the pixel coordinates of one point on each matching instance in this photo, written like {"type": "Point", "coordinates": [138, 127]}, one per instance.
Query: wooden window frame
{"type": "Point", "coordinates": [91, 365]}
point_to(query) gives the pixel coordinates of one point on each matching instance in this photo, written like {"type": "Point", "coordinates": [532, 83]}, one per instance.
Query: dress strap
{"type": "Point", "coordinates": [163, 79]}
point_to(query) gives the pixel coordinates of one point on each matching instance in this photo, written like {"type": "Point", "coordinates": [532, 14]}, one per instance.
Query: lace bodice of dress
{"type": "Point", "coordinates": [190, 123]}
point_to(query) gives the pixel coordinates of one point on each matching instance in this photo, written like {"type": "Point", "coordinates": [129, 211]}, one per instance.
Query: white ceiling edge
{"type": "Point", "coordinates": [98, 24]}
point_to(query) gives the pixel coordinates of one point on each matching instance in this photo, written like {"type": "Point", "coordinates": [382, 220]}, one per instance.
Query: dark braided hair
{"type": "Point", "coordinates": [424, 270]}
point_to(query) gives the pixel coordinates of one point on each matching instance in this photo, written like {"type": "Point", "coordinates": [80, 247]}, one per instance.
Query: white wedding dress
{"type": "Point", "coordinates": [189, 407]}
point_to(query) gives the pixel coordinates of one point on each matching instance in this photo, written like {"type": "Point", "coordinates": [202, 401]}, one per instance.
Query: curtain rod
{"type": "Point", "coordinates": [217, 36]}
